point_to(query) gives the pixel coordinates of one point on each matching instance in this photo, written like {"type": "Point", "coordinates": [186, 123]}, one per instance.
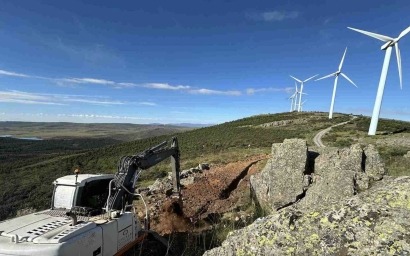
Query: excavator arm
{"type": "Point", "coordinates": [130, 167]}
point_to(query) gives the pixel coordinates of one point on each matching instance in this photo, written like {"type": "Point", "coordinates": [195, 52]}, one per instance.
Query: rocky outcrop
{"type": "Point", "coordinates": [283, 123]}
{"type": "Point", "coordinates": [334, 176]}
{"type": "Point", "coordinates": [281, 182]}
{"type": "Point", "coordinates": [322, 203]}
{"type": "Point", "coordinates": [314, 176]}
{"type": "Point", "coordinates": [374, 222]}
{"type": "Point", "coordinates": [374, 165]}
{"type": "Point", "coordinates": [187, 177]}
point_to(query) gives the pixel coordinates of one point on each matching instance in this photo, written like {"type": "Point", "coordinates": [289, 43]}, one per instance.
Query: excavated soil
{"type": "Point", "coordinates": [216, 191]}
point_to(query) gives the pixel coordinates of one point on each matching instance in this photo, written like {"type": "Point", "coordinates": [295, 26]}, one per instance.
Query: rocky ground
{"type": "Point", "coordinates": [325, 202]}
{"type": "Point", "coordinates": [209, 194]}
{"type": "Point", "coordinates": [318, 201]}
{"type": "Point", "coordinates": [374, 222]}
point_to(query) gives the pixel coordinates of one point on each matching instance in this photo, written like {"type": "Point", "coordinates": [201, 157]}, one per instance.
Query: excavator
{"type": "Point", "coordinates": [92, 214]}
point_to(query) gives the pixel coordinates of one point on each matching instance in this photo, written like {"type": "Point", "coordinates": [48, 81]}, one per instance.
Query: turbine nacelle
{"type": "Point", "coordinates": [301, 89]}
{"type": "Point", "coordinates": [387, 45]}
{"type": "Point", "coordinates": [389, 42]}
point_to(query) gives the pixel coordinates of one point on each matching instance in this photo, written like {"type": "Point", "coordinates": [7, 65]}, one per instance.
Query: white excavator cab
{"type": "Point", "coordinates": [90, 214]}
{"type": "Point", "coordinates": [89, 191]}
{"type": "Point", "coordinates": [52, 232]}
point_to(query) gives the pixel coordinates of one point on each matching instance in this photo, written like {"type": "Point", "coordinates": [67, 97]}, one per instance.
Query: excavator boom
{"type": "Point", "coordinates": [130, 167]}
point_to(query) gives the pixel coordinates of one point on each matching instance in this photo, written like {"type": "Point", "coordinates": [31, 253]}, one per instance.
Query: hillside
{"type": "Point", "coordinates": [61, 130]}
{"type": "Point", "coordinates": [29, 185]}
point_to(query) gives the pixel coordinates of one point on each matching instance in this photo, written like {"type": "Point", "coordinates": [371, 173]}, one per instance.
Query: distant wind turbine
{"type": "Point", "coordinates": [336, 75]}
{"type": "Point", "coordinates": [389, 43]}
{"type": "Point", "coordinates": [301, 106]}
{"type": "Point", "coordinates": [301, 89]}
{"type": "Point", "coordinates": [294, 98]}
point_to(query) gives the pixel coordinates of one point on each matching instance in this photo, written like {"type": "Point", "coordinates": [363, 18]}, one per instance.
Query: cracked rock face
{"type": "Point", "coordinates": [321, 204]}
{"type": "Point", "coordinates": [309, 178]}
{"type": "Point", "coordinates": [374, 164]}
{"type": "Point", "coordinates": [282, 179]}
{"type": "Point", "coordinates": [334, 177]}
{"type": "Point", "coordinates": [374, 222]}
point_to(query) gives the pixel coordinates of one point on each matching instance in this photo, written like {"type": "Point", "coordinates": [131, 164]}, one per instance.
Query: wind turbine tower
{"type": "Point", "coordinates": [389, 43]}
{"type": "Point", "coordinates": [301, 107]}
{"type": "Point", "coordinates": [294, 98]}
{"type": "Point", "coordinates": [336, 75]}
{"type": "Point", "coordinates": [301, 89]}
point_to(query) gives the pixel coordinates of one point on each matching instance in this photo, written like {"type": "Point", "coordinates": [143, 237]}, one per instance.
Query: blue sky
{"type": "Point", "coordinates": [193, 61]}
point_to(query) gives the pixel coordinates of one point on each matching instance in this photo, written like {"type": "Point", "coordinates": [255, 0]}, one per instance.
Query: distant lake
{"type": "Point", "coordinates": [22, 138]}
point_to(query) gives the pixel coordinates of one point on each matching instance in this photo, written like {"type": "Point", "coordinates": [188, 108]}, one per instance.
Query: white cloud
{"type": "Point", "coordinates": [9, 73]}
{"type": "Point", "coordinates": [125, 85]}
{"type": "Point", "coordinates": [252, 91]}
{"type": "Point", "coordinates": [215, 92]}
{"type": "Point", "coordinates": [279, 15]}
{"type": "Point", "coordinates": [25, 98]}
{"type": "Point", "coordinates": [119, 85]}
{"type": "Point", "coordinates": [275, 15]}
{"type": "Point", "coordinates": [86, 81]}
{"type": "Point", "coordinates": [96, 102]}
{"type": "Point", "coordinates": [165, 86]}
{"type": "Point", "coordinates": [145, 103]}
{"type": "Point", "coordinates": [53, 99]}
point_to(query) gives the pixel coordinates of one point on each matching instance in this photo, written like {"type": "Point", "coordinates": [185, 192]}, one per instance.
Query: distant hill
{"type": "Point", "coordinates": [29, 182]}
{"type": "Point", "coordinates": [122, 132]}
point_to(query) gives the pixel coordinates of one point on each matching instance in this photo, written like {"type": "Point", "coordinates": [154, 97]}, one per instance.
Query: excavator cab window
{"type": "Point", "coordinates": [93, 195]}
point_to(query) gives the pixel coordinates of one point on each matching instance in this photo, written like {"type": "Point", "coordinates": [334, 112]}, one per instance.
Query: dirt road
{"type": "Point", "coordinates": [318, 137]}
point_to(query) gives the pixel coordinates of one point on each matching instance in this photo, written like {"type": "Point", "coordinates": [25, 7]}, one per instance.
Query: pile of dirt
{"type": "Point", "coordinates": [212, 192]}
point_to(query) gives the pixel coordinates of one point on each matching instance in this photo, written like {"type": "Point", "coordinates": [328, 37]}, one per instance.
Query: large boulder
{"type": "Point", "coordinates": [373, 163]}
{"type": "Point", "coordinates": [334, 176]}
{"type": "Point", "coordinates": [374, 222]}
{"type": "Point", "coordinates": [280, 183]}
{"type": "Point", "coordinates": [317, 176]}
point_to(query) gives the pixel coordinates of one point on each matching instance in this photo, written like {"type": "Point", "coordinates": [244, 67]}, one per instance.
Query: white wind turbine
{"type": "Point", "coordinates": [296, 95]}
{"type": "Point", "coordinates": [301, 89]}
{"type": "Point", "coordinates": [294, 98]}
{"type": "Point", "coordinates": [301, 107]}
{"type": "Point", "coordinates": [389, 43]}
{"type": "Point", "coordinates": [336, 75]}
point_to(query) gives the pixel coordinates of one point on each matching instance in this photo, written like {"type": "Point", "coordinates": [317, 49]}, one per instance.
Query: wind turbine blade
{"type": "Point", "coordinates": [343, 58]}
{"type": "Point", "coordinates": [296, 79]}
{"type": "Point", "coordinates": [396, 45]}
{"type": "Point", "coordinates": [325, 77]}
{"type": "Point", "coordinates": [403, 33]}
{"type": "Point", "coordinates": [374, 35]}
{"type": "Point", "coordinates": [310, 78]}
{"type": "Point", "coordinates": [348, 79]}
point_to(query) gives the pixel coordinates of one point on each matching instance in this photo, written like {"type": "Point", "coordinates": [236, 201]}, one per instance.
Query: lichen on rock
{"type": "Point", "coordinates": [322, 202]}
{"type": "Point", "coordinates": [281, 181]}
{"type": "Point", "coordinates": [374, 222]}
